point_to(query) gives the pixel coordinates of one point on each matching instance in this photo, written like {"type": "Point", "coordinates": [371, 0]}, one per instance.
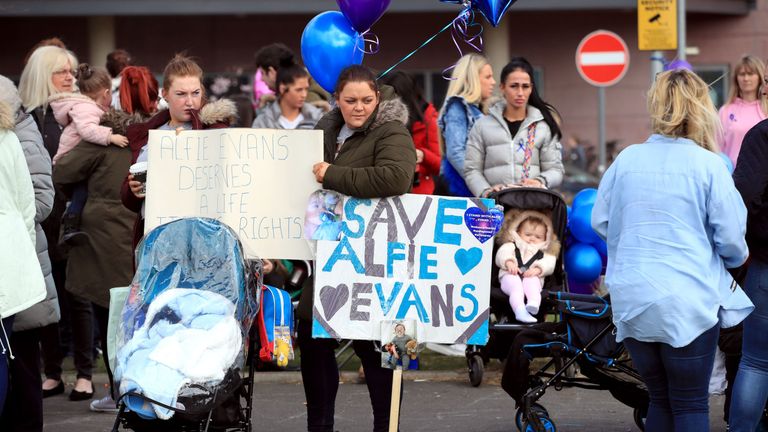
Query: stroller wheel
{"type": "Point", "coordinates": [547, 425]}
{"type": "Point", "coordinates": [536, 408]}
{"type": "Point", "coordinates": [476, 368]}
{"type": "Point", "coordinates": [639, 414]}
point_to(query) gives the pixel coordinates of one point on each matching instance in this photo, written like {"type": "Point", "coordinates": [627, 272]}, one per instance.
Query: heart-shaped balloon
{"type": "Point", "coordinates": [363, 13]}
{"type": "Point", "coordinates": [493, 10]}
{"type": "Point", "coordinates": [328, 45]}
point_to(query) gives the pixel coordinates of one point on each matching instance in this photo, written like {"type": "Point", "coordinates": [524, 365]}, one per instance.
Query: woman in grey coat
{"type": "Point", "coordinates": [518, 143]}
{"type": "Point", "coordinates": [24, 407]}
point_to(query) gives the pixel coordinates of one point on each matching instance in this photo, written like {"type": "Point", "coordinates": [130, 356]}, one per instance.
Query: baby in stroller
{"type": "Point", "coordinates": [528, 253]}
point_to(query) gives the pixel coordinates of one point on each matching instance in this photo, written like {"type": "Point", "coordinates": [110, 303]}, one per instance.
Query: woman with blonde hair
{"type": "Point", "coordinates": [52, 70]}
{"type": "Point", "coordinates": [471, 85]}
{"type": "Point", "coordinates": [747, 104]}
{"type": "Point", "coordinates": [673, 222]}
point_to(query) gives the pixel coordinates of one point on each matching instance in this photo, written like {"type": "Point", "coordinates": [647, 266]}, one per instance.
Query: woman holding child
{"type": "Point", "coordinates": [518, 142]}
{"type": "Point", "coordinates": [673, 222]}
{"type": "Point", "coordinates": [368, 154]}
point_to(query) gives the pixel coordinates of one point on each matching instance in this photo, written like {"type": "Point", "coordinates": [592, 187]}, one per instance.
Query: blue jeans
{"type": "Point", "coordinates": [677, 381]}
{"type": "Point", "coordinates": [4, 359]}
{"type": "Point", "coordinates": [751, 387]}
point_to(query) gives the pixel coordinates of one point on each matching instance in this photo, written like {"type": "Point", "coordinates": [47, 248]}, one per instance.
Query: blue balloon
{"type": "Point", "coordinates": [727, 160]}
{"type": "Point", "coordinates": [579, 287]}
{"type": "Point", "coordinates": [492, 10]}
{"type": "Point", "coordinates": [581, 225]}
{"type": "Point", "coordinates": [585, 197]}
{"type": "Point", "coordinates": [328, 45]}
{"type": "Point", "coordinates": [583, 263]}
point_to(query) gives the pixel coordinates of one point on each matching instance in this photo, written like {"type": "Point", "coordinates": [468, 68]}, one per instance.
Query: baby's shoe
{"type": "Point", "coordinates": [532, 309]}
{"type": "Point", "coordinates": [71, 233]}
{"type": "Point", "coordinates": [523, 316]}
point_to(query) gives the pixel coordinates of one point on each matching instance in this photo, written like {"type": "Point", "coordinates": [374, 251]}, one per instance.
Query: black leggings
{"type": "Point", "coordinates": [320, 374]}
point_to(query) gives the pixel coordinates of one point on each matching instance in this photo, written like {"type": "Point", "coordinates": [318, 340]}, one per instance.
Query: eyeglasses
{"type": "Point", "coordinates": [66, 71]}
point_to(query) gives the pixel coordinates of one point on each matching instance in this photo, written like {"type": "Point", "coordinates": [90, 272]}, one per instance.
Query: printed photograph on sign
{"type": "Point", "coordinates": [411, 257]}
{"type": "Point", "coordinates": [398, 344]}
{"type": "Point", "coordinates": [323, 218]}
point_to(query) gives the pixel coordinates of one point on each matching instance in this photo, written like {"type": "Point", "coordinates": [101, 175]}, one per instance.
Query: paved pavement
{"type": "Point", "coordinates": [433, 401]}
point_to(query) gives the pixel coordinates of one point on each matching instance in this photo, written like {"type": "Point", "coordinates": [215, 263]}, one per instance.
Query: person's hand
{"type": "Point", "coordinates": [532, 272]}
{"type": "Point", "coordinates": [529, 182]}
{"type": "Point", "coordinates": [319, 170]}
{"type": "Point", "coordinates": [118, 140]}
{"type": "Point", "coordinates": [267, 266]}
{"type": "Point", "coordinates": [137, 187]}
{"type": "Point", "coordinates": [419, 156]}
{"type": "Point", "coordinates": [492, 189]}
{"type": "Point", "coordinates": [265, 99]}
{"type": "Point", "coordinates": [511, 266]}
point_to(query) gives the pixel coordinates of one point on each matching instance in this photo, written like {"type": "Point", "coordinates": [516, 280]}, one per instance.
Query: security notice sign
{"type": "Point", "coordinates": [657, 25]}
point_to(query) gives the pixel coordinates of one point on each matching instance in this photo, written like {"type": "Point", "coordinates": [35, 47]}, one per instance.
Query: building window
{"type": "Point", "coordinates": [718, 78]}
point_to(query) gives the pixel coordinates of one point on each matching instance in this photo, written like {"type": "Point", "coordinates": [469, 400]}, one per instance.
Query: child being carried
{"type": "Point", "coordinates": [528, 253]}
{"type": "Point", "coordinates": [80, 114]}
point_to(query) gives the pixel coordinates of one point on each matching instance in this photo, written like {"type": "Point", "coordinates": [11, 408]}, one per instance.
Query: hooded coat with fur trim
{"type": "Point", "coordinates": [105, 260]}
{"type": "Point", "coordinates": [214, 115]}
{"type": "Point", "coordinates": [510, 241]}
{"type": "Point", "coordinates": [80, 117]}
{"type": "Point", "coordinates": [379, 159]}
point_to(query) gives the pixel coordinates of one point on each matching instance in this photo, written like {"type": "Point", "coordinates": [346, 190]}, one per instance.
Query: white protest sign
{"type": "Point", "coordinates": [255, 180]}
{"type": "Point", "coordinates": [420, 257]}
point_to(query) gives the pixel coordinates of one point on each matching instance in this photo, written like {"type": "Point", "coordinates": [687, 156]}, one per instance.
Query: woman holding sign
{"type": "Point", "coordinates": [368, 154]}
{"type": "Point", "coordinates": [183, 90]}
{"type": "Point", "coordinates": [518, 142]}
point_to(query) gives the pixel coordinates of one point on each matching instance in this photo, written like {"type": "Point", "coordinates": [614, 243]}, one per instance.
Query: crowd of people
{"type": "Point", "coordinates": [673, 217]}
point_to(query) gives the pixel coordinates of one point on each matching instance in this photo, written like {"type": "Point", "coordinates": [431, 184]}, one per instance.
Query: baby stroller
{"type": "Point", "coordinates": [583, 335]}
{"type": "Point", "coordinates": [503, 327]}
{"type": "Point", "coordinates": [183, 340]}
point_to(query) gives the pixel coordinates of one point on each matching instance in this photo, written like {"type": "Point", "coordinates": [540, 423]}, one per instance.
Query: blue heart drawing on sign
{"type": "Point", "coordinates": [483, 224]}
{"type": "Point", "coordinates": [467, 259]}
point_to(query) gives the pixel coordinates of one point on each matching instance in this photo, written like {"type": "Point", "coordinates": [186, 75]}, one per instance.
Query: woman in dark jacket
{"type": "Point", "coordinates": [183, 91]}
{"type": "Point", "coordinates": [751, 387]}
{"type": "Point", "coordinates": [368, 154]}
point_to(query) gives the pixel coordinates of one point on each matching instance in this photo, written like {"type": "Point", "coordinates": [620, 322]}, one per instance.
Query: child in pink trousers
{"type": "Point", "coordinates": [528, 252]}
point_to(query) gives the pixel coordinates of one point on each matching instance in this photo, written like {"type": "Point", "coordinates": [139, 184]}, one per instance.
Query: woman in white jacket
{"type": "Point", "coordinates": [21, 280]}
{"type": "Point", "coordinates": [518, 142]}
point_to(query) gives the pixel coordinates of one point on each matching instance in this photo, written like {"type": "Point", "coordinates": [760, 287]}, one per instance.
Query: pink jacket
{"type": "Point", "coordinates": [80, 116]}
{"type": "Point", "coordinates": [737, 119]}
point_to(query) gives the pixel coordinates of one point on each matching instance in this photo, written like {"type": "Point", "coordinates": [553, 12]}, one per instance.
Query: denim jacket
{"type": "Point", "coordinates": [455, 122]}
{"type": "Point", "coordinates": [673, 222]}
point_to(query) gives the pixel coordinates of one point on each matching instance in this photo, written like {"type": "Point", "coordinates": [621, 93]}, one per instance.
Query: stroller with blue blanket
{"type": "Point", "coordinates": [184, 338]}
{"type": "Point", "coordinates": [582, 335]}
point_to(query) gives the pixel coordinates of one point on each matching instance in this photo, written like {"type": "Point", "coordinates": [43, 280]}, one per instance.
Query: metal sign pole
{"type": "Point", "coordinates": [681, 29]}
{"type": "Point", "coordinates": [601, 128]}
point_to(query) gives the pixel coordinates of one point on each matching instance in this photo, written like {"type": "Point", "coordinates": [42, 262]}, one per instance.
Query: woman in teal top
{"type": "Point", "coordinates": [673, 222]}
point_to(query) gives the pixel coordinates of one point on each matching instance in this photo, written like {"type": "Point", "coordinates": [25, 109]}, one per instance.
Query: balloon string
{"type": "Point", "coordinates": [460, 32]}
{"type": "Point", "coordinates": [463, 17]}
{"type": "Point", "coordinates": [370, 42]}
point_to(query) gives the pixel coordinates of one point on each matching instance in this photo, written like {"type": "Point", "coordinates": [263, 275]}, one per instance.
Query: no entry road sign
{"type": "Point", "coordinates": [602, 58]}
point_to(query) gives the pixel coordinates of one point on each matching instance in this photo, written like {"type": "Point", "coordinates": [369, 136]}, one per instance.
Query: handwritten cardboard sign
{"type": "Point", "coordinates": [254, 180]}
{"type": "Point", "coordinates": [420, 257]}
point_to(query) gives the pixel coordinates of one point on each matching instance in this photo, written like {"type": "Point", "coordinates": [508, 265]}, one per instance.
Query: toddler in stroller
{"type": "Point", "coordinates": [528, 253]}
{"type": "Point", "coordinates": [183, 337]}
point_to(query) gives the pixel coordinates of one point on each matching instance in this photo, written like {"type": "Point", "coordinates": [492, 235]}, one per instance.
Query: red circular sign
{"type": "Point", "coordinates": [602, 58]}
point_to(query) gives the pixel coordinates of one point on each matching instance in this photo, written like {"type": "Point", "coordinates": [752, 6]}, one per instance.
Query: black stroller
{"type": "Point", "coordinates": [185, 357]}
{"type": "Point", "coordinates": [583, 336]}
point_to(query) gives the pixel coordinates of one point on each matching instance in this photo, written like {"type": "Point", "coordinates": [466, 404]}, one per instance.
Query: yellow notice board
{"type": "Point", "coordinates": [657, 25]}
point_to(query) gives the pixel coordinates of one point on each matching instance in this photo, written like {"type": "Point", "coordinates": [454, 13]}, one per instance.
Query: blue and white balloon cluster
{"type": "Point", "coordinates": [586, 253]}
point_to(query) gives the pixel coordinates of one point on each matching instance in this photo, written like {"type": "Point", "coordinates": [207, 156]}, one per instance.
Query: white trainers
{"type": "Point", "coordinates": [105, 404]}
